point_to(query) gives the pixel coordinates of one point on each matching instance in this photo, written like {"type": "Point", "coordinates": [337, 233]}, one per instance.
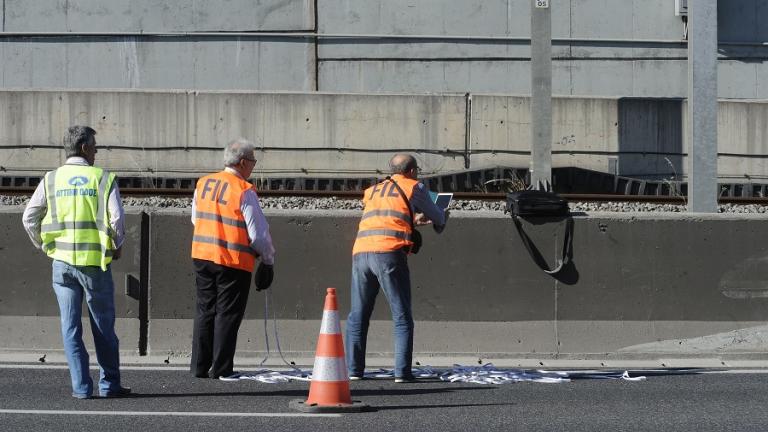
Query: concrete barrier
{"type": "Point", "coordinates": [639, 286]}
{"type": "Point", "coordinates": [29, 313]}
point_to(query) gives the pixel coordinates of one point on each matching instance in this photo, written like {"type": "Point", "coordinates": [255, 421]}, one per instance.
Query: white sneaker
{"type": "Point", "coordinates": [234, 377]}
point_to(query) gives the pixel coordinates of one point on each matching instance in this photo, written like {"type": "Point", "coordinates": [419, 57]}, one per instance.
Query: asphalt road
{"type": "Point", "coordinates": [39, 400]}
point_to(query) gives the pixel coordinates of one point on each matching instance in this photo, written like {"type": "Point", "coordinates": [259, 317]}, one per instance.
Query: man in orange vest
{"type": "Point", "coordinates": [230, 233]}
{"type": "Point", "coordinates": [385, 238]}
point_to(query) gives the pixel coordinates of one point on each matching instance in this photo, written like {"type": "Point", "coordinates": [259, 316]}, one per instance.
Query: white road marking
{"type": "Point", "coordinates": [163, 413]}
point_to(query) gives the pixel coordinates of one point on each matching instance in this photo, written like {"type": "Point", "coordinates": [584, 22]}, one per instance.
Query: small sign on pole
{"type": "Point", "coordinates": [542, 4]}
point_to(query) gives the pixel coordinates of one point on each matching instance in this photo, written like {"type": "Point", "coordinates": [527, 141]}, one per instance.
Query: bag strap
{"type": "Point", "coordinates": [405, 198]}
{"type": "Point", "coordinates": [537, 258]}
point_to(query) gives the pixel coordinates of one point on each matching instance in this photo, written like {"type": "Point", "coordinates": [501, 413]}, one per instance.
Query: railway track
{"type": "Point", "coordinates": [490, 196]}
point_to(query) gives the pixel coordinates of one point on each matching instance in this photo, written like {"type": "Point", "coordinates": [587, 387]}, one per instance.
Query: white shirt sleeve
{"type": "Point", "coordinates": [258, 228]}
{"type": "Point", "coordinates": [116, 216]}
{"type": "Point", "coordinates": [194, 198]}
{"type": "Point", "coordinates": [34, 213]}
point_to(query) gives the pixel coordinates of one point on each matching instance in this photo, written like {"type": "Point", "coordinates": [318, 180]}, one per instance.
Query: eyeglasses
{"type": "Point", "coordinates": [250, 160]}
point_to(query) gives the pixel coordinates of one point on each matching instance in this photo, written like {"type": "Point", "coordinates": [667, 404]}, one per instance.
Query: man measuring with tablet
{"type": "Point", "coordinates": [441, 200]}
{"type": "Point", "coordinates": [385, 238]}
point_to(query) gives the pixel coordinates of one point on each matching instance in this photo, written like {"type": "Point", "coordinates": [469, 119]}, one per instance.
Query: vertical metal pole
{"type": "Point", "coordinates": [702, 106]}
{"type": "Point", "coordinates": [541, 95]}
{"type": "Point", "coordinates": [144, 285]}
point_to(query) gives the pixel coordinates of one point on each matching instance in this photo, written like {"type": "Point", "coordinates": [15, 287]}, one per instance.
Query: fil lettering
{"type": "Point", "coordinates": [387, 189]}
{"type": "Point", "coordinates": [217, 188]}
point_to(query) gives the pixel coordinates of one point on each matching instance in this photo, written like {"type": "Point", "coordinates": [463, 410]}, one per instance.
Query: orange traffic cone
{"type": "Point", "coordinates": [329, 389]}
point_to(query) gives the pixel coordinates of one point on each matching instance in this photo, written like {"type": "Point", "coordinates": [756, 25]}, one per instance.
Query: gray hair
{"type": "Point", "coordinates": [237, 150]}
{"type": "Point", "coordinates": [75, 138]}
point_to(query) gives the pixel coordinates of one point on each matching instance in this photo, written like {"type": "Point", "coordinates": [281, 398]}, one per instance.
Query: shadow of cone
{"type": "Point", "coordinates": [329, 389]}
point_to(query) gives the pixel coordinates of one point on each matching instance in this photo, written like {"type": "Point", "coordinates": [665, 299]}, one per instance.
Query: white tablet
{"type": "Point", "coordinates": [442, 200]}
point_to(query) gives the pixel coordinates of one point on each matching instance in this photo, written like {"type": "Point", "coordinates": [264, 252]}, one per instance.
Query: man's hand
{"type": "Point", "coordinates": [419, 219]}
{"type": "Point", "coordinates": [117, 253]}
{"type": "Point", "coordinates": [439, 228]}
{"type": "Point", "coordinates": [262, 279]}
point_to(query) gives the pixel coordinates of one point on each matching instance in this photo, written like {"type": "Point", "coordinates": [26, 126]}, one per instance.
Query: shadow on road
{"type": "Point", "coordinates": [412, 390]}
{"type": "Point", "coordinates": [436, 406]}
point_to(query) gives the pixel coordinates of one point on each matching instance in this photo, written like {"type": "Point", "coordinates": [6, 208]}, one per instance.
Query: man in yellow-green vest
{"type": "Point", "coordinates": [75, 216]}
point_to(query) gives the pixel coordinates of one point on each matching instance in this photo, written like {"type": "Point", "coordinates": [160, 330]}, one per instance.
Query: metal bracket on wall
{"type": "Point", "coordinates": [132, 286]}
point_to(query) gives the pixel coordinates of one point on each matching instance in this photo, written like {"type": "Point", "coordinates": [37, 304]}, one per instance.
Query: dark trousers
{"type": "Point", "coordinates": [222, 294]}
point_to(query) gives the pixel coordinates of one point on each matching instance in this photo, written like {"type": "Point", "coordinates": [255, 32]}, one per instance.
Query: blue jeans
{"type": "Point", "coordinates": [388, 271]}
{"type": "Point", "coordinates": [70, 284]}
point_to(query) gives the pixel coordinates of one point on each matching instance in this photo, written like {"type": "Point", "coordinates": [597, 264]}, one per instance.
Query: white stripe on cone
{"type": "Point", "coordinates": [330, 324]}
{"type": "Point", "coordinates": [330, 369]}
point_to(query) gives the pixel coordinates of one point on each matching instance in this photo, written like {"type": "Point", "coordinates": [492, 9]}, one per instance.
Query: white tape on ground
{"type": "Point", "coordinates": [162, 413]}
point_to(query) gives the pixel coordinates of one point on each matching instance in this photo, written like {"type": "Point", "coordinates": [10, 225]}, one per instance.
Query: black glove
{"type": "Point", "coordinates": [262, 279]}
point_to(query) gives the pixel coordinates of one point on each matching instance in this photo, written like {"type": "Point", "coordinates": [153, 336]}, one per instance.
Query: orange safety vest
{"type": "Point", "coordinates": [386, 222]}
{"type": "Point", "coordinates": [221, 235]}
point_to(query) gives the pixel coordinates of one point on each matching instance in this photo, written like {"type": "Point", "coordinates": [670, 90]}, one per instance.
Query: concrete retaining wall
{"type": "Point", "coordinates": [181, 133]}
{"type": "Point", "coordinates": [177, 133]}
{"type": "Point", "coordinates": [149, 16]}
{"type": "Point", "coordinates": [640, 50]}
{"type": "Point", "coordinates": [639, 285]}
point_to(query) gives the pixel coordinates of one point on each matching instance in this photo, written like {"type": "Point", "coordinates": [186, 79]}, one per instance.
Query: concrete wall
{"type": "Point", "coordinates": [152, 16]}
{"type": "Point", "coordinates": [177, 133]}
{"type": "Point", "coordinates": [29, 313]}
{"type": "Point", "coordinates": [157, 63]}
{"type": "Point", "coordinates": [181, 133]}
{"type": "Point", "coordinates": [638, 286]}
{"type": "Point", "coordinates": [163, 62]}
{"type": "Point", "coordinates": [641, 52]}
{"type": "Point", "coordinates": [637, 67]}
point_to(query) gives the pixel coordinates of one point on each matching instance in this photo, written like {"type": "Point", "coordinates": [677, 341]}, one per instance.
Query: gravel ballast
{"type": "Point", "coordinates": [304, 203]}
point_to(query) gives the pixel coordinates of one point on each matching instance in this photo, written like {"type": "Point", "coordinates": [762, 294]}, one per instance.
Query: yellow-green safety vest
{"type": "Point", "coordinates": [76, 228]}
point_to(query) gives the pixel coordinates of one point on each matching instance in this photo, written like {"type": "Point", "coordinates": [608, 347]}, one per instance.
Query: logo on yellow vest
{"type": "Point", "coordinates": [76, 181]}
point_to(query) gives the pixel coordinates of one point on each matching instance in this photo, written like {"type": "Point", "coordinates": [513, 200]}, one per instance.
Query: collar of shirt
{"type": "Point", "coordinates": [233, 171]}
{"type": "Point", "coordinates": [76, 160]}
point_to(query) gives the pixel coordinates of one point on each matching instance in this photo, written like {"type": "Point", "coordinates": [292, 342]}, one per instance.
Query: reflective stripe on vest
{"type": "Point", "coordinates": [75, 247]}
{"type": "Point", "coordinates": [75, 229]}
{"type": "Point", "coordinates": [221, 234]}
{"type": "Point", "coordinates": [220, 219]}
{"type": "Point", "coordinates": [394, 213]}
{"type": "Point", "coordinates": [386, 222]}
{"type": "Point", "coordinates": [383, 232]}
{"type": "Point", "coordinates": [225, 244]}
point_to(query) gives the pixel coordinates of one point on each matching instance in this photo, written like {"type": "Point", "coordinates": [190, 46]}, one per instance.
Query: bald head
{"type": "Point", "coordinates": [403, 163]}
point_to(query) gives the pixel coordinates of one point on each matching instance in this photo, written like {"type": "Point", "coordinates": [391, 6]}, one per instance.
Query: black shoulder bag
{"type": "Point", "coordinates": [540, 203]}
{"type": "Point", "coordinates": [415, 234]}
